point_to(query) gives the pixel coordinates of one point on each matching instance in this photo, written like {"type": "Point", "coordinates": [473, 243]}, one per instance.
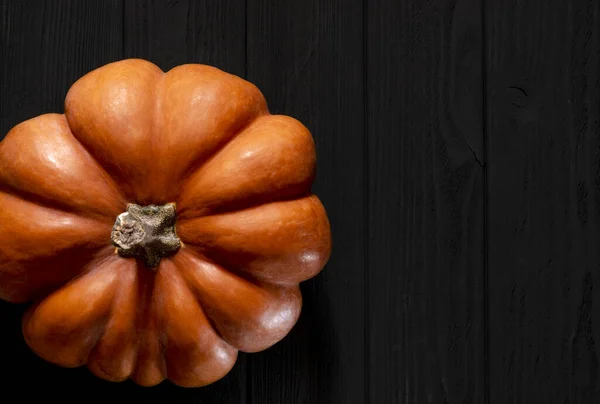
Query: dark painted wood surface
{"type": "Point", "coordinates": [307, 58]}
{"type": "Point", "coordinates": [459, 160]}
{"type": "Point", "coordinates": [543, 108]}
{"type": "Point", "coordinates": [426, 194]}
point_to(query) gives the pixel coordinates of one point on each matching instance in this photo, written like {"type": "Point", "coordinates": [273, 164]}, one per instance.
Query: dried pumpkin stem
{"type": "Point", "coordinates": [147, 233]}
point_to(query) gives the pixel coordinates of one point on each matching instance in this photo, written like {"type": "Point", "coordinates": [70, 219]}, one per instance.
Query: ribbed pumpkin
{"type": "Point", "coordinates": [159, 226]}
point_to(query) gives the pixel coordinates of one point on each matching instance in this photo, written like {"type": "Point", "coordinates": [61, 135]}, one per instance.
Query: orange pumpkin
{"type": "Point", "coordinates": [159, 226]}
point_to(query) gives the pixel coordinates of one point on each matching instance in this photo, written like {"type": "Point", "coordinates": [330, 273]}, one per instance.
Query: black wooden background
{"type": "Point", "coordinates": [459, 160]}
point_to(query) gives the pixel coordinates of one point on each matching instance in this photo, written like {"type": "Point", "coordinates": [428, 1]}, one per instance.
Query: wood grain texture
{"type": "Point", "coordinates": [394, 95]}
{"type": "Point", "coordinates": [170, 33]}
{"type": "Point", "coordinates": [307, 58]}
{"type": "Point", "coordinates": [45, 47]}
{"type": "Point", "coordinates": [174, 32]}
{"type": "Point", "coordinates": [543, 66]}
{"type": "Point", "coordinates": [426, 202]}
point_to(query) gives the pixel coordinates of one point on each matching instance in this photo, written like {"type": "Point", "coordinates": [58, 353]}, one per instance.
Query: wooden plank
{"type": "Point", "coordinates": [543, 67]}
{"type": "Point", "coordinates": [173, 32]}
{"type": "Point", "coordinates": [426, 202]}
{"type": "Point", "coordinates": [45, 47]}
{"type": "Point", "coordinates": [170, 33]}
{"type": "Point", "coordinates": [307, 58]}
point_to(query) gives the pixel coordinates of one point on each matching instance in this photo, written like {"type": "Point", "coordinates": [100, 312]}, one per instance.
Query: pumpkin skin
{"type": "Point", "coordinates": [250, 229]}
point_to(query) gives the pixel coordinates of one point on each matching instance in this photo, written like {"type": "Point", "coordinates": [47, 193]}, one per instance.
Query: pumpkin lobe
{"type": "Point", "coordinates": [147, 233]}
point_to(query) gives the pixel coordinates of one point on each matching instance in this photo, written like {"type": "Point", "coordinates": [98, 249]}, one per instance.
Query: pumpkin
{"type": "Point", "coordinates": [160, 225]}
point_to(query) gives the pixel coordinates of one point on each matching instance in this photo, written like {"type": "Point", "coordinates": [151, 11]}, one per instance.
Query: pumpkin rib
{"type": "Point", "coordinates": [107, 317]}
{"type": "Point", "coordinates": [99, 255]}
{"type": "Point", "coordinates": [37, 334]}
{"type": "Point", "coordinates": [124, 339]}
{"type": "Point", "coordinates": [53, 205]}
{"type": "Point", "coordinates": [248, 204]}
{"type": "Point", "coordinates": [25, 253]}
{"type": "Point", "coordinates": [158, 87]}
{"type": "Point", "coordinates": [98, 163]}
{"type": "Point", "coordinates": [194, 353]}
{"type": "Point", "coordinates": [83, 362]}
{"type": "Point", "coordinates": [109, 111]}
{"type": "Point", "coordinates": [105, 173]}
{"type": "Point", "coordinates": [102, 254]}
{"type": "Point", "coordinates": [107, 177]}
{"type": "Point", "coordinates": [258, 304]}
{"type": "Point", "coordinates": [190, 92]}
{"type": "Point", "coordinates": [147, 321]}
{"type": "Point", "coordinates": [202, 306]}
{"type": "Point", "coordinates": [38, 200]}
{"type": "Point", "coordinates": [102, 167]}
{"type": "Point", "coordinates": [274, 158]}
{"type": "Point", "coordinates": [56, 149]}
{"type": "Point", "coordinates": [245, 276]}
{"type": "Point", "coordinates": [199, 163]}
{"type": "Point", "coordinates": [192, 289]}
{"type": "Point", "coordinates": [94, 265]}
{"type": "Point", "coordinates": [282, 243]}
{"type": "Point", "coordinates": [20, 199]}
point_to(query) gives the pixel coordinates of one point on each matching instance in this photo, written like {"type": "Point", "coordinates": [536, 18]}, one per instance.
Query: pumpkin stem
{"type": "Point", "coordinates": [146, 232]}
